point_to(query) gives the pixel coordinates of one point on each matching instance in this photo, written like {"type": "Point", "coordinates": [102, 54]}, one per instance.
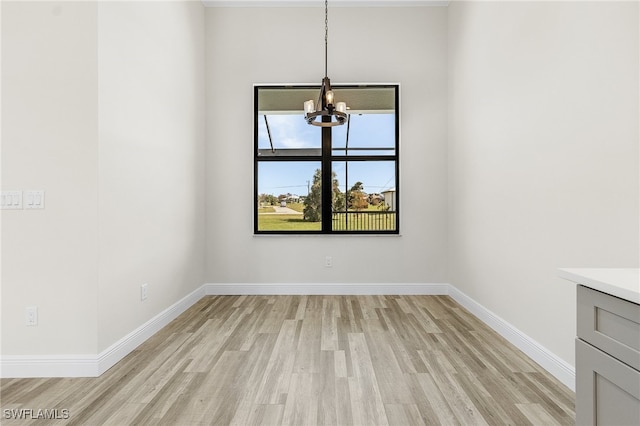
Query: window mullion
{"type": "Point", "coordinates": [326, 179]}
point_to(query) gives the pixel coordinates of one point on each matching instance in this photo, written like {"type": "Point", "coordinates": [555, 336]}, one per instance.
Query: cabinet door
{"type": "Point", "coordinates": [607, 390]}
{"type": "Point", "coordinates": [610, 324]}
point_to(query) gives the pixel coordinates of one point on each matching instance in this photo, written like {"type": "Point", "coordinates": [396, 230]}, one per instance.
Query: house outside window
{"type": "Point", "coordinates": [326, 180]}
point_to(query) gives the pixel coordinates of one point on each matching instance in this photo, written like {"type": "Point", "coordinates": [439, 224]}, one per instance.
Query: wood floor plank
{"type": "Point", "coordinates": [330, 314]}
{"type": "Point", "coordinates": [274, 385]}
{"type": "Point", "coordinates": [263, 415]}
{"type": "Point", "coordinates": [505, 395]}
{"type": "Point", "coordinates": [309, 340]}
{"type": "Point", "coordinates": [178, 412]}
{"type": "Point", "coordinates": [548, 384]}
{"type": "Point", "coordinates": [440, 405]}
{"type": "Point", "coordinates": [344, 413]}
{"type": "Point", "coordinates": [482, 399]}
{"type": "Point", "coordinates": [325, 391]}
{"type": "Point", "coordinates": [423, 403]}
{"type": "Point", "coordinates": [536, 414]}
{"type": "Point", "coordinates": [398, 415]}
{"type": "Point", "coordinates": [408, 357]}
{"type": "Point", "coordinates": [548, 401]}
{"type": "Point", "coordinates": [310, 360]}
{"type": "Point", "coordinates": [301, 408]}
{"type": "Point", "coordinates": [256, 364]}
{"type": "Point", "coordinates": [225, 383]}
{"type": "Point", "coordinates": [387, 370]}
{"type": "Point", "coordinates": [458, 400]}
{"type": "Point", "coordinates": [366, 401]}
{"type": "Point", "coordinates": [340, 364]}
{"type": "Point", "coordinates": [158, 408]}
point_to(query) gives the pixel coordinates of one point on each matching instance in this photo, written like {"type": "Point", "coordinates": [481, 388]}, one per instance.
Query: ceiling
{"type": "Point", "coordinates": [362, 100]}
{"type": "Point", "coordinates": [319, 3]}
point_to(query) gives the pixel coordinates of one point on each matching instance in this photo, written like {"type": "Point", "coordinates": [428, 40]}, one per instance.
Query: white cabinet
{"type": "Point", "coordinates": [607, 360]}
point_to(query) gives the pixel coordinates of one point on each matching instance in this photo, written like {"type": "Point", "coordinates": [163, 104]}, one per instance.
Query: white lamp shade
{"type": "Point", "coordinates": [341, 107]}
{"type": "Point", "coordinates": [309, 107]}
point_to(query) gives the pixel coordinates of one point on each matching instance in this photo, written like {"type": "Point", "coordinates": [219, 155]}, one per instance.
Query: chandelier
{"type": "Point", "coordinates": [328, 112]}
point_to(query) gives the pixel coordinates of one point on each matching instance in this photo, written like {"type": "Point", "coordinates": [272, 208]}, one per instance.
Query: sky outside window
{"type": "Point", "coordinates": [290, 131]}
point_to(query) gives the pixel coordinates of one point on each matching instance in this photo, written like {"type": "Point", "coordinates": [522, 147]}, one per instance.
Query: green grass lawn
{"type": "Point", "coordinates": [285, 222]}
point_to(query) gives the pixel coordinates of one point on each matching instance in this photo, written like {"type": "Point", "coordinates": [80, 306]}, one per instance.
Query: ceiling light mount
{"type": "Point", "coordinates": [328, 113]}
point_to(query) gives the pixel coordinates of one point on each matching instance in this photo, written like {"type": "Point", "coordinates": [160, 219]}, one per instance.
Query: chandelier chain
{"type": "Point", "coordinates": [326, 33]}
{"type": "Point", "coordinates": [326, 113]}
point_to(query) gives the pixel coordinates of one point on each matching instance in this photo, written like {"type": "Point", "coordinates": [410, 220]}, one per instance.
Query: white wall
{"type": "Point", "coordinates": [103, 108]}
{"type": "Point", "coordinates": [543, 154]}
{"type": "Point", "coordinates": [151, 159]}
{"type": "Point", "coordinates": [50, 142]}
{"type": "Point", "coordinates": [286, 45]}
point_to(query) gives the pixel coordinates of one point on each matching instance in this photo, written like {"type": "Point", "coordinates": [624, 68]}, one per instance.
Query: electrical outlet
{"type": "Point", "coordinates": [32, 315]}
{"type": "Point", "coordinates": [144, 291]}
{"type": "Point", "coordinates": [328, 262]}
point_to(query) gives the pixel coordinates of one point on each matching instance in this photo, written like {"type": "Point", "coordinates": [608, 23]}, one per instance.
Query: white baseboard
{"type": "Point", "coordinates": [95, 365]}
{"type": "Point", "coordinates": [556, 366]}
{"type": "Point", "coordinates": [325, 289]}
{"type": "Point", "coordinates": [23, 366]}
{"type": "Point", "coordinates": [110, 356]}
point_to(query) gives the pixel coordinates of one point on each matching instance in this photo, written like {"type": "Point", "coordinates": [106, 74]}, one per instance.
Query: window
{"type": "Point", "coordinates": [326, 180]}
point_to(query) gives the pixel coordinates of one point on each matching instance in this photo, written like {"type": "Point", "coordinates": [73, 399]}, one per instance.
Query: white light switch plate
{"type": "Point", "coordinates": [11, 200]}
{"type": "Point", "coordinates": [33, 199]}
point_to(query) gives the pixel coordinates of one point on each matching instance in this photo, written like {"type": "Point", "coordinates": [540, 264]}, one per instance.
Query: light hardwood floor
{"type": "Point", "coordinates": [307, 360]}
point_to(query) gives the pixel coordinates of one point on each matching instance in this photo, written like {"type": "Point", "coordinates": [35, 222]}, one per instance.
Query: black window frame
{"type": "Point", "coordinates": [326, 157]}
